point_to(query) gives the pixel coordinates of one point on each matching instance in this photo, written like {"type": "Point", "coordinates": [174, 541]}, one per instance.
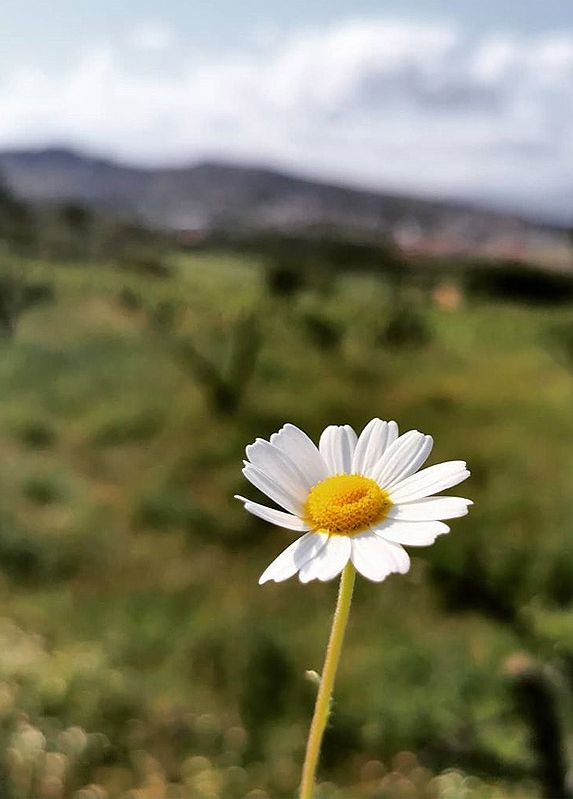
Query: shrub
{"type": "Point", "coordinates": [36, 434]}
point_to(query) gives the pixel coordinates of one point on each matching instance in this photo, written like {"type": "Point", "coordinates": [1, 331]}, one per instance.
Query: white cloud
{"type": "Point", "coordinates": [151, 34]}
{"type": "Point", "coordinates": [416, 107]}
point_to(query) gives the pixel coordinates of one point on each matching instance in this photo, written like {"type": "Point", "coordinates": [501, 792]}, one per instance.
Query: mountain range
{"type": "Point", "coordinates": [219, 196]}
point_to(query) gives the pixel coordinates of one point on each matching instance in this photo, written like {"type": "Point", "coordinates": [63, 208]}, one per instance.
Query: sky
{"type": "Point", "coordinates": [454, 99]}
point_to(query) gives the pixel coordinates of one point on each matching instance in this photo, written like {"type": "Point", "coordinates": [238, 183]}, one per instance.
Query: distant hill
{"type": "Point", "coordinates": [209, 196]}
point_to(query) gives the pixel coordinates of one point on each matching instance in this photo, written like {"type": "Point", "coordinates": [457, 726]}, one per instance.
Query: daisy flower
{"type": "Point", "coordinates": [354, 498]}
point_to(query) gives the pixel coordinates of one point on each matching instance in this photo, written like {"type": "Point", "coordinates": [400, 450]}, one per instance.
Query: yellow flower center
{"type": "Point", "coordinates": [345, 504]}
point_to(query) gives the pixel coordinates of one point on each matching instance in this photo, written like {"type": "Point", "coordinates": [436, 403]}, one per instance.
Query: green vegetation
{"type": "Point", "coordinates": [139, 656]}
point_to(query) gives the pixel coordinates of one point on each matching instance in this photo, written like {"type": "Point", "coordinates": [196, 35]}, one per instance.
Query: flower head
{"type": "Point", "coordinates": [358, 498]}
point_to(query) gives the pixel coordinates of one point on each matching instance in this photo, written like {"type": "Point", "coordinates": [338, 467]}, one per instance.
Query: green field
{"type": "Point", "coordinates": [138, 653]}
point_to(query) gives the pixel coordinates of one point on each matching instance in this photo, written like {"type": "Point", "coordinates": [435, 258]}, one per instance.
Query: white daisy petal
{"type": "Point", "coordinates": [328, 562]}
{"type": "Point", "coordinates": [294, 557]}
{"type": "Point", "coordinates": [376, 558]}
{"type": "Point", "coordinates": [326, 446]}
{"type": "Point", "coordinates": [302, 451]}
{"type": "Point", "coordinates": [337, 444]}
{"type": "Point", "coordinates": [274, 462]}
{"type": "Point", "coordinates": [393, 433]}
{"type": "Point", "coordinates": [371, 444]}
{"type": "Point", "coordinates": [272, 489]}
{"type": "Point", "coordinates": [410, 459]}
{"type": "Point", "coordinates": [430, 509]}
{"type": "Point", "coordinates": [413, 534]}
{"type": "Point", "coordinates": [429, 481]}
{"type": "Point", "coordinates": [402, 458]}
{"type": "Point", "coordinates": [273, 516]}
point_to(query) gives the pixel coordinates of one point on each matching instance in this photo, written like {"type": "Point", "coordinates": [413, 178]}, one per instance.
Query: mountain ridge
{"type": "Point", "coordinates": [217, 195]}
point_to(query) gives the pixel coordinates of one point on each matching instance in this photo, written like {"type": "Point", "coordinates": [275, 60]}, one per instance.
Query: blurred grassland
{"type": "Point", "coordinates": [121, 545]}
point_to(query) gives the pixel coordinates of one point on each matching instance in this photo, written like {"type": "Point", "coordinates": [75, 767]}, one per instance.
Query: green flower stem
{"type": "Point", "coordinates": [324, 696]}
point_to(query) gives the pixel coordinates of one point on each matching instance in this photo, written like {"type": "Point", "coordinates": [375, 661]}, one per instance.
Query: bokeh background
{"type": "Point", "coordinates": [215, 218]}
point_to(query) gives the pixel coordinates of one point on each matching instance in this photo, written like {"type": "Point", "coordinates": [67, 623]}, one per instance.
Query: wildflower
{"type": "Point", "coordinates": [354, 498]}
{"type": "Point", "coordinates": [357, 501]}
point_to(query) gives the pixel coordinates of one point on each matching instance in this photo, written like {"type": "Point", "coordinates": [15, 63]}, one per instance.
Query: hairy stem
{"type": "Point", "coordinates": [324, 696]}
